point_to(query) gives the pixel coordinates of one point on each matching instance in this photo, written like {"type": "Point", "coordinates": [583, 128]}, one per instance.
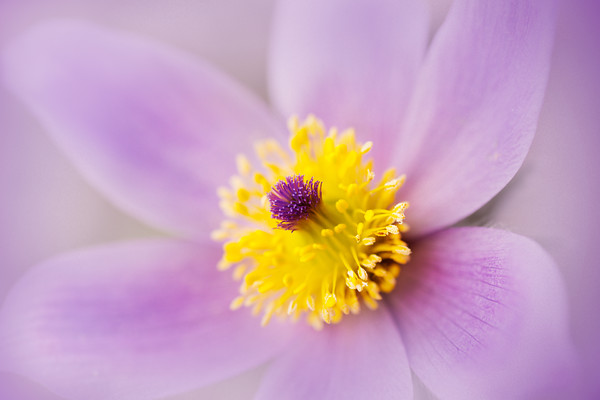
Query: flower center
{"type": "Point", "coordinates": [319, 246]}
{"type": "Point", "coordinates": [294, 200]}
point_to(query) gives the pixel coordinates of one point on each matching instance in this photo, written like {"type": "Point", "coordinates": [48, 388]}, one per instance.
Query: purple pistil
{"type": "Point", "coordinates": [294, 200]}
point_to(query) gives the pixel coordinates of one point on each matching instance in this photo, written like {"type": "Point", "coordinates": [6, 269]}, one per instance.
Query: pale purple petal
{"type": "Point", "coordinates": [351, 63]}
{"type": "Point", "coordinates": [361, 358]}
{"type": "Point", "coordinates": [155, 130]}
{"type": "Point", "coordinates": [475, 107]}
{"type": "Point", "coordinates": [482, 313]}
{"type": "Point", "coordinates": [137, 320]}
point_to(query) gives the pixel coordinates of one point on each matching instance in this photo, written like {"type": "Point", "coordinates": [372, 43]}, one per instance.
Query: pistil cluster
{"type": "Point", "coordinates": [321, 246]}
{"type": "Point", "coordinates": [293, 200]}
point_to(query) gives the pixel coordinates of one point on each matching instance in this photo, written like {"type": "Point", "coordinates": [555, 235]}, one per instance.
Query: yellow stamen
{"type": "Point", "coordinates": [347, 251]}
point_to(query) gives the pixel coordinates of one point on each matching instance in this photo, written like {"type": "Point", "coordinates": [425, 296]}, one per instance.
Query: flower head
{"type": "Point", "coordinates": [316, 231]}
{"type": "Point", "coordinates": [340, 246]}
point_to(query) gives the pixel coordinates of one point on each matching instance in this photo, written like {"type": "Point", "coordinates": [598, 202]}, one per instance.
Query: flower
{"type": "Point", "coordinates": [156, 131]}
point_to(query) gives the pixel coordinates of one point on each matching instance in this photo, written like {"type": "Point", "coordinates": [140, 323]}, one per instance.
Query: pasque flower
{"type": "Point", "coordinates": [318, 233]}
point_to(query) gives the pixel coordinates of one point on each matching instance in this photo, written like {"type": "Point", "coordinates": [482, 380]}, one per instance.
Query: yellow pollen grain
{"type": "Point", "coordinates": [330, 300]}
{"type": "Point", "coordinates": [359, 228]}
{"type": "Point", "coordinates": [341, 205]}
{"type": "Point", "coordinates": [243, 195]}
{"type": "Point", "coordinates": [339, 228]}
{"type": "Point", "coordinates": [326, 232]}
{"type": "Point", "coordinates": [368, 241]}
{"type": "Point", "coordinates": [240, 208]}
{"type": "Point", "coordinates": [237, 303]}
{"type": "Point", "coordinates": [366, 147]}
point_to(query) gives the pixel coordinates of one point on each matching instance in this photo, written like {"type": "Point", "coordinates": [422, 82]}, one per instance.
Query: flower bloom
{"type": "Point", "coordinates": [473, 312]}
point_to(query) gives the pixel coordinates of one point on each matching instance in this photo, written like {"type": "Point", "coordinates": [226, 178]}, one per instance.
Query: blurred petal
{"type": "Point", "coordinates": [482, 313]}
{"type": "Point", "coordinates": [351, 63]}
{"type": "Point", "coordinates": [475, 107]}
{"type": "Point", "coordinates": [361, 358]}
{"type": "Point", "coordinates": [155, 130]}
{"type": "Point", "coordinates": [131, 321]}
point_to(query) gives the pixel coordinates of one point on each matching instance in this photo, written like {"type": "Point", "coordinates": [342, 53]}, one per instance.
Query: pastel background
{"type": "Point", "coordinates": [47, 208]}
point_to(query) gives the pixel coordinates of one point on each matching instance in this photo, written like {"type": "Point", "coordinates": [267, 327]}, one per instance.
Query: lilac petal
{"type": "Point", "coordinates": [475, 107]}
{"type": "Point", "coordinates": [351, 63]}
{"type": "Point", "coordinates": [155, 130]}
{"type": "Point", "coordinates": [361, 358]}
{"type": "Point", "coordinates": [483, 315]}
{"type": "Point", "coordinates": [131, 321]}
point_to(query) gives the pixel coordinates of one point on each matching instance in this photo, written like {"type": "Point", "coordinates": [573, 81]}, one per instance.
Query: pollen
{"type": "Point", "coordinates": [309, 231]}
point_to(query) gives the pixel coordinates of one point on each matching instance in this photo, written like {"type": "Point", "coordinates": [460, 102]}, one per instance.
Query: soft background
{"type": "Point", "coordinates": [47, 208]}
